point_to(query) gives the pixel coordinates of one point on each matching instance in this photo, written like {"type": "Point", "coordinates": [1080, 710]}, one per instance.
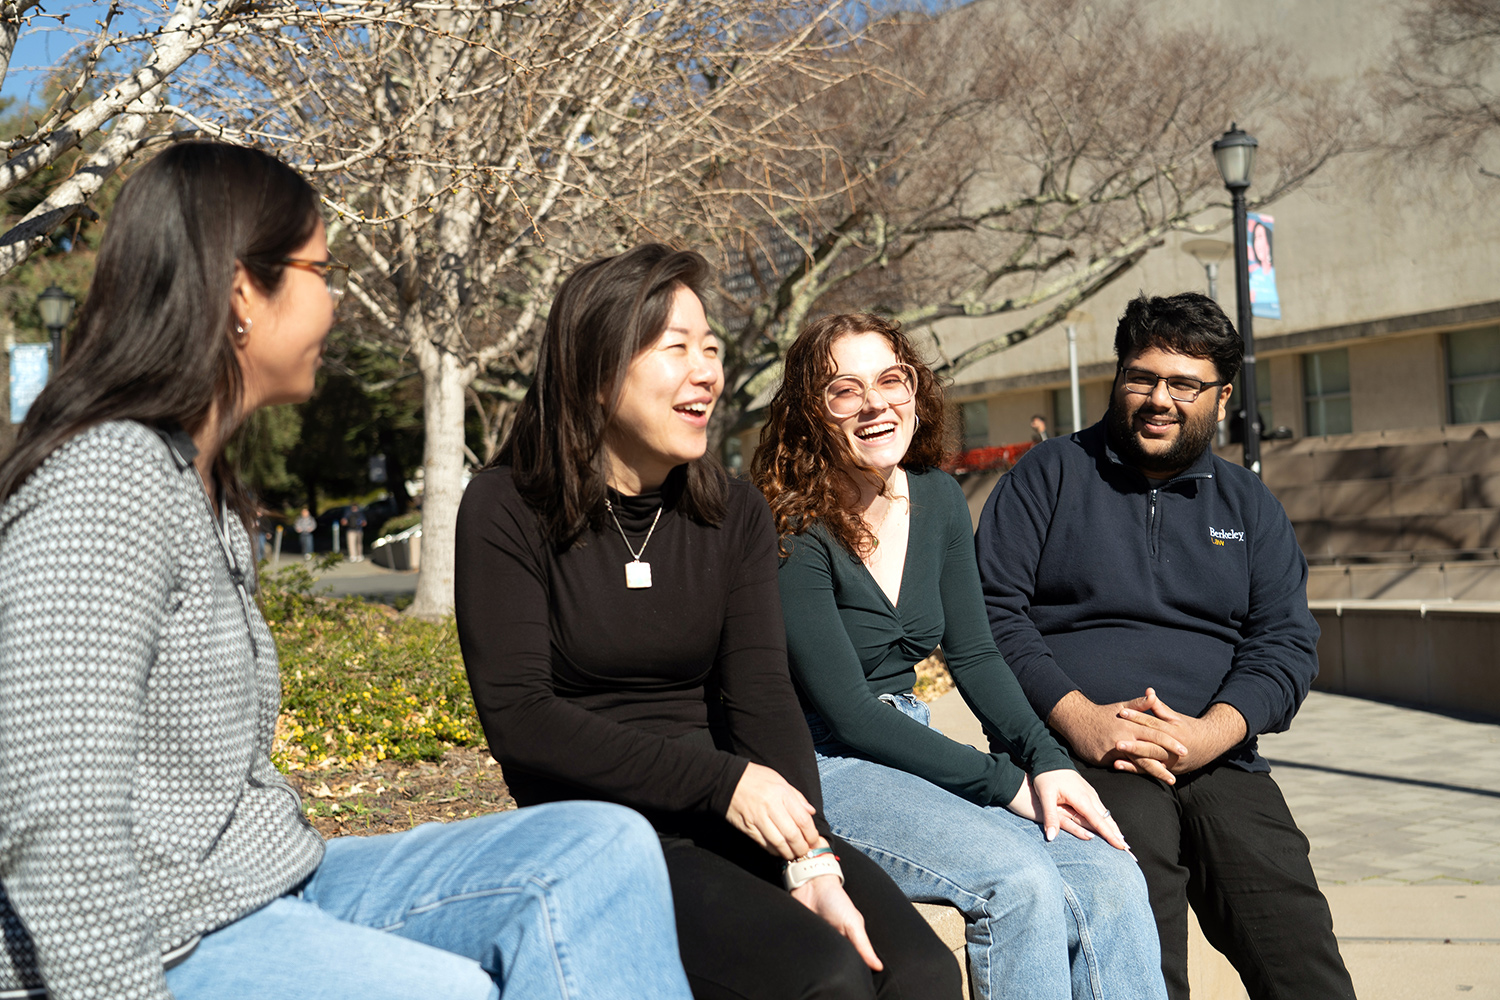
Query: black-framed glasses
{"type": "Point", "coordinates": [1179, 387]}
{"type": "Point", "coordinates": [335, 275]}
{"type": "Point", "coordinates": [846, 394]}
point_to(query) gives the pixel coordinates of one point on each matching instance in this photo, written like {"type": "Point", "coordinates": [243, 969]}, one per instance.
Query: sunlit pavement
{"type": "Point", "coordinates": [363, 578]}
{"type": "Point", "coordinates": [1402, 809]}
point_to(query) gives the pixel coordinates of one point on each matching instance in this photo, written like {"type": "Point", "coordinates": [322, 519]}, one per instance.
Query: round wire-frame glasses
{"type": "Point", "coordinates": [846, 394]}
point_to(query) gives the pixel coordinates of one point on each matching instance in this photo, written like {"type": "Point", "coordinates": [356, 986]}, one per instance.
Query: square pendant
{"type": "Point", "coordinates": [637, 575]}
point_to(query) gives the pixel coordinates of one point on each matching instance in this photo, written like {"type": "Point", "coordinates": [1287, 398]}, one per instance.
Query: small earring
{"type": "Point", "coordinates": [242, 327]}
{"type": "Point", "coordinates": [918, 425]}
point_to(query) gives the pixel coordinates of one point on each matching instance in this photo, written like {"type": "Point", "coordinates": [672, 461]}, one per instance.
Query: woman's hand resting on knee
{"type": "Point", "coordinates": [1063, 800]}
{"type": "Point", "coordinates": [826, 897]}
{"type": "Point", "coordinates": [770, 811]}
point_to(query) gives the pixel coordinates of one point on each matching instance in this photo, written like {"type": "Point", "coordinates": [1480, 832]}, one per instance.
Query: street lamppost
{"type": "Point", "coordinates": [56, 307]}
{"type": "Point", "coordinates": [1208, 253]}
{"type": "Point", "coordinates": [1234, 152]}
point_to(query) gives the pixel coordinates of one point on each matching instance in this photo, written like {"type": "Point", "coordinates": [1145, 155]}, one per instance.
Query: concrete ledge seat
{"type": "Point", "coordinates": [1210, 975]}
{"type": "Point", "coordinates": [1436, 654]}
{"type": "Point", "coordinates": [949, 925]}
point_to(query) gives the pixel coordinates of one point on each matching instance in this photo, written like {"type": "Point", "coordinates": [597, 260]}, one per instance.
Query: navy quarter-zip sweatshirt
{"type": "Point", "coordinates": [1100, 580]}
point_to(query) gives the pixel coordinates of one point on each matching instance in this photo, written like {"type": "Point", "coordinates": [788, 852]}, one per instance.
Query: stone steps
{"type": "Point", "coordinates": [1446, 536]}
{"type": "Point", "coordinates": [1467, 580]}
{"type": "Point", "coordinates": [1431, 494]}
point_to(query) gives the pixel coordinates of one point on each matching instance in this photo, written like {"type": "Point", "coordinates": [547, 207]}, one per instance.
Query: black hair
{"type": "Point", "coordinates": [1187, 323]}
{"type": "Point", "coordinates": [605, 313]}
{"type": "Point", "coordinates": [155, 338]}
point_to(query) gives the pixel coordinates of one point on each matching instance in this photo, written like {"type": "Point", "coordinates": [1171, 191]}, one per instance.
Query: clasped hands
{"type": "Point", "coordinates": [1145, 735]}
{"type": "Point", "coordinates": [772, 812]}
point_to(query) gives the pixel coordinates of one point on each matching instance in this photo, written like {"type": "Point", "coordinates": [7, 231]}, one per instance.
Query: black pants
{"type": "Point", "coordinates": [743, 937]}
{"type": "Point", "coordinates": [1223, 840]}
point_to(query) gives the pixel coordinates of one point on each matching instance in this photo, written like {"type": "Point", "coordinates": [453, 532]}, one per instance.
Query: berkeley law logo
{"type": "Point", "coordinates": [1222, 535]}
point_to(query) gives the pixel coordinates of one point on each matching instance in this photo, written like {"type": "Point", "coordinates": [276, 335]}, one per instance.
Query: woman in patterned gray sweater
{"type": "Point", "coordinates": [148, 848]}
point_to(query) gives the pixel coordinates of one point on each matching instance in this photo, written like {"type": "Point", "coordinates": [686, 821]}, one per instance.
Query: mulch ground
{"type": "Point", "coordinates": [393, 796]}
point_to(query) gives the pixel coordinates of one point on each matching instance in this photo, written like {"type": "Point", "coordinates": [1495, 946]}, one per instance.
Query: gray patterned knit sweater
{"type": "Point", "coordinates": [139, 808]}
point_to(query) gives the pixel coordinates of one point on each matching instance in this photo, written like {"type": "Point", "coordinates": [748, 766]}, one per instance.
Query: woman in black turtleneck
{"type": "Point", "coordinates": [621, 625]}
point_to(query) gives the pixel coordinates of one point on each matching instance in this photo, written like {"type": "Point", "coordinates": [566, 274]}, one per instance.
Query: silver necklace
{"type": "Point", "coordinates": [637, 573]}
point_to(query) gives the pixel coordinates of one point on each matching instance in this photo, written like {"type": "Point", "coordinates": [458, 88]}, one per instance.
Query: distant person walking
{"type": "Point", "coordinates": [1039, 428]}
{"type": "Point", "coordinates": [354, 532]}
{"type": "Point", "coordinates": [304, 526]}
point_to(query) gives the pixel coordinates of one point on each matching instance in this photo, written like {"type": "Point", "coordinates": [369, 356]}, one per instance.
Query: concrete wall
{"type": "Point", "coordinates": [1286, 394]}
{"type": "Point", "coordinates": [1439, 655]}
{"type": "Point", "coordinates": [1398, 383]}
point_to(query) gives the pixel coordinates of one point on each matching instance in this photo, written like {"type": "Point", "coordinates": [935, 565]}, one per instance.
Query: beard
{"type": "Point", "coordinates": [1195, 432]}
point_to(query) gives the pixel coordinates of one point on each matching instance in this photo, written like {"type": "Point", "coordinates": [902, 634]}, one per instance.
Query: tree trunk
{"type": "Point", "coordinates": [444, 377]}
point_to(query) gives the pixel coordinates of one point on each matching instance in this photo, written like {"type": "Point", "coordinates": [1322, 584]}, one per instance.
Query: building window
{"type": "Point", "coordinates": [1325, 382]}
{"type": "Point", "coordinates": [1474, 375]}
{"type": "Point", "coordinates": [975, 415]}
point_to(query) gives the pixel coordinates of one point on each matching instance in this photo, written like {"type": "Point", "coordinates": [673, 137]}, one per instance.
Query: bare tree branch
{"type": "Point", "coordinates": [1442, 87]}
{"type": "Point", "coordinates": [71, 197]}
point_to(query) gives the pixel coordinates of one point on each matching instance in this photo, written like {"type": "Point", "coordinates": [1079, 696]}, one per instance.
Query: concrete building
{"type": "Point", "coordinates": [1388, 275]}
{"type": "Point", "coordinates": [1384, 370]}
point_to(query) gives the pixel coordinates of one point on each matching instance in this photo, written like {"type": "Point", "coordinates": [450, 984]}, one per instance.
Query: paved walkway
{"type": "Point", "coordinates": [363, 578]}
{"type": "Point", "coordinates": [1402, 808]}
{"type": "Point", "coordinates": [1392, 796]}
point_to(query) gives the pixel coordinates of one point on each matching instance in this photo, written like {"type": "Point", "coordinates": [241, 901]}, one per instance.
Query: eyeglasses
{"type": "Point", "coordinates": [846, 394]}
{"type": "Point", "coordinates": [336, 275]}
{"type": "Point", "coordinates": [1179, 387]}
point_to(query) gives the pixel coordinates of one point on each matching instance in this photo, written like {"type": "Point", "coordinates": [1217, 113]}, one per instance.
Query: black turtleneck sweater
{"type": "Point", "coordinates": [653, 698]}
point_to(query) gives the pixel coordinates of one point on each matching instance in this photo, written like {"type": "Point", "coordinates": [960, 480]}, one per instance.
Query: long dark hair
{"type": "Point", "coordinates": [606, 312]}
{"type": "Point", "coordinates": [802, 464]}
{"type": "Point", "coordinates": [156, 335]}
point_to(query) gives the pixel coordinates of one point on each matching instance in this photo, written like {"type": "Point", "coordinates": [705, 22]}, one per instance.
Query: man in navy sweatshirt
{"type": "Point", "coordinates": [1152, 600]}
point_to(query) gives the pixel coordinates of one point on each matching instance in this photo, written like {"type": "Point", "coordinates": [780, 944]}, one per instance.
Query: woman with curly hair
{"type": "Point", "coordinates": [878, 568]}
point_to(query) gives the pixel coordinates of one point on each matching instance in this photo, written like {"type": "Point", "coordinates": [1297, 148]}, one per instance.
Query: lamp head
{"type": "Point", "coordinates": [56, 307]}
{"type": "Point", "coordinates": [1234, 152]}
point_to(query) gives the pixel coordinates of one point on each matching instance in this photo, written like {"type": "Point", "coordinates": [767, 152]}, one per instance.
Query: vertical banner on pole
{"type": "Point", "coordinates": [1264, 301]}
{"type": "Point", "coordinates": [28, 377]}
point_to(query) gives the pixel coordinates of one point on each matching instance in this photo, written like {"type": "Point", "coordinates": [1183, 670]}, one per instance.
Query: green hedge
{"type": "Point", "coordinates": [401, 522]}
{"type": "Point", "coordinates": [360, 683]}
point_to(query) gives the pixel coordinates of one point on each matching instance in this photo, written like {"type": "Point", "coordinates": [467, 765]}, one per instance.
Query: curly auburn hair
{"type": "Point", "coordinates": [804, 466]}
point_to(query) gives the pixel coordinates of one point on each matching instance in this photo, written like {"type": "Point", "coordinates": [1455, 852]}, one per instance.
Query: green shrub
{"type": "Point", "coordinates": [401, 522]}
{"type": "Point", "coordinates": [359, 682]}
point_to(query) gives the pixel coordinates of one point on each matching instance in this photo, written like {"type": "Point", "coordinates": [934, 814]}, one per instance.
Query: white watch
{"type": "Point", "coordinates": [797, 873]}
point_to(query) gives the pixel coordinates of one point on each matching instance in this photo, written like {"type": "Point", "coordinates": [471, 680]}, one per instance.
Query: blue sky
{"type": "Point", "coordinates": [43, 43]}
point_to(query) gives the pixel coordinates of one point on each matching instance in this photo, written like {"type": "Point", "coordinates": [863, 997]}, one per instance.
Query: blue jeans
{"type": "Point", "coordinates": [1065, 919]}
{"type": "Point", "coordinates": [568, 900]}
